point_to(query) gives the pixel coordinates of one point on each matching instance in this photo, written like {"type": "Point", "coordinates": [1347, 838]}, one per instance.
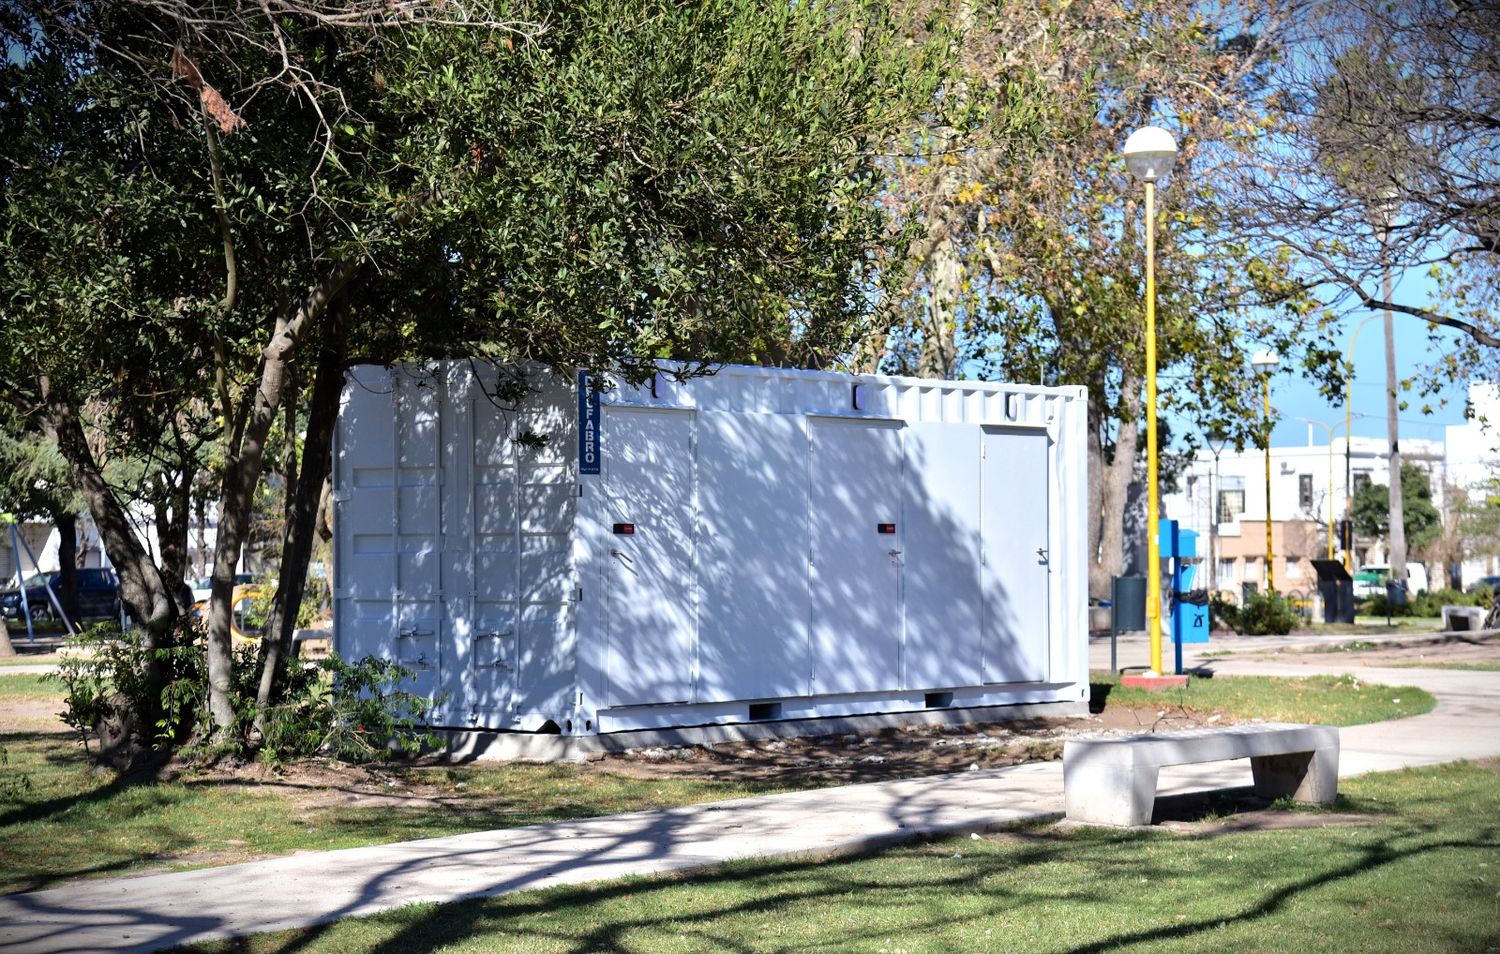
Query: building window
{"type": "Point", "coordinates": [1361, 480]}
{"type": "Point", "coordinates": [1231, 505]}
{"type": "Point", "coordinates": [1305, 491]}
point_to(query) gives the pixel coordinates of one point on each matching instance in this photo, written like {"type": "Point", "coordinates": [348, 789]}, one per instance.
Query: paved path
{"type": "Point", "coordinates": [20, 668]}
{"type": "Point", "coordinates": [155, 911]}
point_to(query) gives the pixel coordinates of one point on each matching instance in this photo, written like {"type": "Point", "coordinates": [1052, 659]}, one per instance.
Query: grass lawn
{"type": "Point", "coordinates": [1420, 876]}
{"type": "Point", "coordinates": [29, 685]}
{"type": "Point", "coordinates": [29, 659]}
{"type": "Point", "coordinates": [1475, 666]}
{"type": "Point", "coordinates": [1375, 624]}
{"type": "Point", "coordinates": [1328, 700]}
{"type": "Point", "coordinates": [72, 822]}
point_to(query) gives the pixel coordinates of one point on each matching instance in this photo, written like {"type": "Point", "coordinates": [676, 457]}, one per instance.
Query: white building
{"type": "Point", "coordinates": [1474, 461]}
{"type": "Point", "coordinates": [1309, 491]}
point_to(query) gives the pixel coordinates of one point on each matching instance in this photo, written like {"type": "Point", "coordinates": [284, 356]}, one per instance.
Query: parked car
{"type": "Point", "coordinates": [203, 588]}
{"type": "Point", "coordinates": [1371, 578]}
{"type": "Point", "coordinates": [98, 595]}
{"type": "Point", "coordinates": [1493, 582]}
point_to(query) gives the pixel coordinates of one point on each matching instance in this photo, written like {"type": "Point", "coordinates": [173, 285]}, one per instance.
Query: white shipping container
{"type": "Point", "coordinates": [757, 545]}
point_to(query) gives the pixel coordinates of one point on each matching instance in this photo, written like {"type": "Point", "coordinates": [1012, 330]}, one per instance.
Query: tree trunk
{"type": "Point", "coordinates": [171, 518]}
{"type": "Point", "coordinates": [142, 589]}
{"type": "Point", "coordinates": [301, 531]}
{"type": "Point", "coordinates": [7, 649]}
{"type": "Point", "coordinates": [67, 563]}
{"type": "Point", "coordinates": [1115, 484]}
{"type": "Point", "coordinates": [940, 343]}
{"type": "Point", "coordinates": [244, 462]}
{"type": "Point", "coordinates": [1398, 509]}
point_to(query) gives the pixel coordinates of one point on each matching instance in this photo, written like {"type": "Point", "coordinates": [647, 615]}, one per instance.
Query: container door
{"type": "Point", "coordinates": [490, 651]}
{"type": "Point", "coordinates": [1015, 541]}
{"type": "Point", "coordinates": [648, 493]}
{"type": "Point", "coordinates": [856, 555]}
{"type": "Point", "coordinates": [419, 579]}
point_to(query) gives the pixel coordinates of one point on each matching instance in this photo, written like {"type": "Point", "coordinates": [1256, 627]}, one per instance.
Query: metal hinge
{"type": "Point", "coordinates": [578, 597]}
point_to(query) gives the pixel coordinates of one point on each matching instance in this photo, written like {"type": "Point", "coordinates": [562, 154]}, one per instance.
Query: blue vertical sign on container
{"type": "Point", "coordinates": [588, 426]}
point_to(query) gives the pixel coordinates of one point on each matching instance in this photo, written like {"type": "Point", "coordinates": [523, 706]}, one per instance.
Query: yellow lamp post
{"type": "Point", "coordinates": [1266, 362]}
{"type": "Point", "coordinates": [1149, 153]}
{"type": "Point", "coordinates": [1330, 428]}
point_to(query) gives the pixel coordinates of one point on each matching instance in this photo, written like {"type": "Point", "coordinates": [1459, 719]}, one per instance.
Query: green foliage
{"type": "Point", "coordinates": [1372, 508]}
{"type": "Point", "coordinates": [104, 677]}
{"type": "Point", "coordinates": [1223, 614]}
{"type": "Point", "coordinates": [1428, 603]}
{"type": "Point", "coordinates": [1479, 520]}
{"type": "Point", "coordinates": [352, 711]}
{"type": "Point", "coordinates": [1268, 614]}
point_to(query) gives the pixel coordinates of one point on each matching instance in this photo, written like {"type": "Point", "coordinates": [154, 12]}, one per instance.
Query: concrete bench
{"type": "Point", "coordinates": [1112, 781]}
{"type": "Point", "coordinates": [1457, 619]}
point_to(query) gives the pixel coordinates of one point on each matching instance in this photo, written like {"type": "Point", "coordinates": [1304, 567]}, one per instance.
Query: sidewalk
{"type": "Point", "coordinates": [156, 911]}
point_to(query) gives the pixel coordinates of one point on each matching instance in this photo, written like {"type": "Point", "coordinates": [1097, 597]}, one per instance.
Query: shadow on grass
{"type": "Point", "coordinates": [687, 909]}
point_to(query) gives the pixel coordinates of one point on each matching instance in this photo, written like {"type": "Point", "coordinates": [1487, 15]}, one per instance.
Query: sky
{"type": "Point", "coordinates": [1293, 398]}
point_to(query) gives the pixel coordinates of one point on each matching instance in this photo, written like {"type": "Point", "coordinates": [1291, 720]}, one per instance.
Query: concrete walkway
{"type": "Point", "coordinates": [156, 911]}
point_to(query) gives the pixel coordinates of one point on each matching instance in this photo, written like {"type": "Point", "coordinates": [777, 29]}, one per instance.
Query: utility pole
{"type": "Point", "coordinates": [1397, 536]}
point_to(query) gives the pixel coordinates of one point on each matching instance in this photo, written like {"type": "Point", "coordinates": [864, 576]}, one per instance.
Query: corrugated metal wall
{"type": "Point", "coordinates": [847, 544]}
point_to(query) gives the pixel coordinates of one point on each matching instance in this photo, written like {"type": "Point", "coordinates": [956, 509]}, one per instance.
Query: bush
{"type": "Point", "coordinates": [1223, 614]}
{"type": "Point", "coordinates": [107, 694]}
{"type": "Point", "coordinates": [352, 711]}
{"type": "Point", "coordinates": [1378, 605]}
{"type": "Point", "coordinates": [1432, 603]}
{"type": "Point", "coordinates": [1267, 614]}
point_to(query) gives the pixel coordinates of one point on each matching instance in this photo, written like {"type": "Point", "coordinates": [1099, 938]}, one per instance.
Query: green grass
{"type": "Point", "coordinates": [29, 659]}
{"type": "Point", "coordinates": [74, 823]}
{"type": "Point", "coordinates": [1474, 666]}
{"type": "Point", "coordinates": [1366, 624]}
{"type": "Point", "coordinates": [29, 685]}
{"type": "Point", "coordinates": [1421, 878]}
{"type": "Point", "coordinates": [1327, 700]}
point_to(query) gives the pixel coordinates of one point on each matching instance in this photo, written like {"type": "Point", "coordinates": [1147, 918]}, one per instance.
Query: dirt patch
{"type": "Point", "coordinates": [1407, 652]}
{"type": "Point", "coordinates": [890, 753]}
{"type": "Point", "coordinates": [34, 714]}
{"type": "Point", "coordinates": [896, 752]}
{"type": "Point", "coordinates": [1265, 820]}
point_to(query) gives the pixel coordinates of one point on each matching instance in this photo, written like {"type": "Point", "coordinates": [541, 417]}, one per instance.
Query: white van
{"type": "Point", "coordinates": [1369, 580]}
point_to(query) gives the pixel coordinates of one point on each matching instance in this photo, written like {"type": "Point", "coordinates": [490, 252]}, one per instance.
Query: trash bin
{"type": "Point", "coordinates": [1395, 593]}
{"type": "Point", "coordinates": [1127, 596]}
{"type": "Point", "coordinates": [1336, 588]}
{"type": "Point", "coordinates": [1190, 618]}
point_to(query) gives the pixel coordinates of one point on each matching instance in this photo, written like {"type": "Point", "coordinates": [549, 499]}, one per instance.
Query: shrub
{"type": "Point", "coordinates": [1432, 603]}
{"type": "Point", "coordinates": [352, 711]}
{"type": "Point", "coordinates": [1378, 605]}
{"type": "Point", "coordinates": [1223, 614]}
{"type": "Point", "coordinates": [1267, 614]}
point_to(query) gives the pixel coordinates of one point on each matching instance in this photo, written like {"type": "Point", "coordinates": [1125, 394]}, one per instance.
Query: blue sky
{"type": "Point", "coordinates": [1294, 398]}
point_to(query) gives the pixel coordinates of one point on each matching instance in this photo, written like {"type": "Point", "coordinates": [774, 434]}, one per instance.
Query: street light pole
{"type": "Point", "coordinates": [1329, 428]}
{"type": "Point", "coordinates": [1266, 362]}
{"type": "Point", "coordinates": [1149, 153]}
{"type": "Point", "coordinates": [1215, 443]}
{"type": "Point", "coordinates": [1348, 439]}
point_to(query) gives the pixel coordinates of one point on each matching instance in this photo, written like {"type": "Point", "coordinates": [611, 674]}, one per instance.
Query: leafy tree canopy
{"type": "Point", "coordinates": [1372, 511]}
